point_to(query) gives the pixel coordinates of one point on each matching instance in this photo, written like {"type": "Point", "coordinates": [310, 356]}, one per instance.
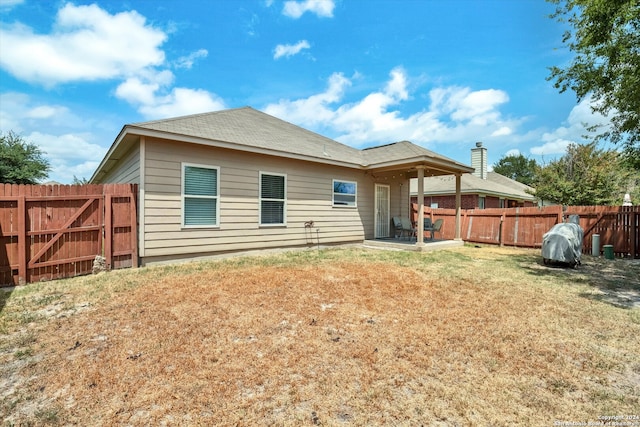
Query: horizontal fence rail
{"type": "Point", "coordinates": [618, 226]}
{"type": "Point", "coordinates": [56, 231]}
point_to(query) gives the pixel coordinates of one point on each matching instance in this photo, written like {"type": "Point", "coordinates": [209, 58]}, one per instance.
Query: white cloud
{"type": "Point", "coordinates": [182, 101]}
{"type": "Point", "coordinates": [557, 146]}
{"type": "Point", "coordinates": [503, 131]}
{"type": "Point", "coordinates": [455, 114]}
{"type": "Point", "coordinates": [512, 152]}
{"type": "Point", "coordinates": [69, 155]}
{"type": "Point", "coordinates": [46, 111]}
{"type": "Point", "coordinates": [68, 143]}
{"type": "Point", "coordinates": [20, 114]}
{"type": "Point", "coordinates": [8, 4]}
{"type": "Point", "coordinates": [87, 43]}
{"type": "Point", "coordinates": [288, 50]}
{"type": "Point", "coordinates": [314, 110]}
{"type": "Point", "coordinates": [573, 131]}
{"type": "Point", "coordinates": [322, 8]}
{"type": "Point", "coordinates": [463, 104]}
{"type": "Point", "coordinates": [188, 61]}
{"type": "Point", "coordinates": [155, 100]}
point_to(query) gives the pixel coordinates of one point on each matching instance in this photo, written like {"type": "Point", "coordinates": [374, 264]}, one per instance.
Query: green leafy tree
{"type": "Point", "coordinates": [517, 167]}
{"type": "Point", "coordinates": [604, 36]}
{"type": "Point", "coordinates": [584, 176]}
{"type": "Point", "coordinates": [21, 162]}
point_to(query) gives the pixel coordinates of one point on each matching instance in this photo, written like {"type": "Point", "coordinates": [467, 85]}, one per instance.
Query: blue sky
{"type": "Point", "coordinates": [440, 73]}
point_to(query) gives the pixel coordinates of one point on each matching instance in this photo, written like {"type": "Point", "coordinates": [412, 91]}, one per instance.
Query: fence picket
{"type": "Point", "coordinates": [524, 227]}
{"type": "Point", "coordinates": [32, 215]}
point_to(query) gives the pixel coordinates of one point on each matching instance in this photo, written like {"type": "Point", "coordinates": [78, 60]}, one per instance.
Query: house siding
{"type": "Point", "coordinates": [127, 170]}
{"type": "Point", "coordinates": [309, 198]}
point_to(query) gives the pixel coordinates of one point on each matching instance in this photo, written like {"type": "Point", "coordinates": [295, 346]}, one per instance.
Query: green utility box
{"type": "Point", "coordinates": [608, 251]}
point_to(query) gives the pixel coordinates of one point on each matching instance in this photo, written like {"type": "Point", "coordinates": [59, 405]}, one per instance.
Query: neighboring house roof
{"type": "Point", "coordinates": [247, 129]}
{"type": "Point", "coordinates": [495, 184]}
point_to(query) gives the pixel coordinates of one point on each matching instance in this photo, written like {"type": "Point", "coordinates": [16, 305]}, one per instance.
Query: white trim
{"type": "Point", "coordinates": [184, 165]}
{"type": "Point", "coordinates": [284, 206]}
{"type": "Point", "coordinates": [333, 194]}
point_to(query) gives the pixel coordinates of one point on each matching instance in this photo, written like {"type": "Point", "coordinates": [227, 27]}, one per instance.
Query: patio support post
{"type": "Point", "coordinates": [420, 218]}
{"type": "Point", "coordinates": [458, 205]}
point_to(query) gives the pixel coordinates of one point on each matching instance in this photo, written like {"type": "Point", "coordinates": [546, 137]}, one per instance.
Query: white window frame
{"type": "Point", "coordinates": [482, 202]}
{"type": "Point", "coordinates": [184, 165]}
{"type": "Point", "coordinates": [333, 194]}
{"type": "Point", "coordinates": [261, 199]}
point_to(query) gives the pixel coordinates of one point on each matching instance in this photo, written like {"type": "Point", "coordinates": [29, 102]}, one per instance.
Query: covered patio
{"type": "Point", "coordinates": [392, 167]}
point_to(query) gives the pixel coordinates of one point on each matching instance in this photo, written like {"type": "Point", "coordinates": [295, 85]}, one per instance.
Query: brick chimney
{"type": "Point", "coordinates": [479, 160]}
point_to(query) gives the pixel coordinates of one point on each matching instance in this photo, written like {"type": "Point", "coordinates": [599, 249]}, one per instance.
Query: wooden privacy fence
{"type": "Point", "coordinates": [56, 231]}
{"type": "Point", "coordinates": [617, 225]}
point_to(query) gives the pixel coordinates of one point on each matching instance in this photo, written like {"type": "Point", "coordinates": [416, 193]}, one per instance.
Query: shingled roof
{"type": "Point", "coordinates": [495, 184]}
{"type": "Point", "coordinates": [254, 129]}
{"type": "Point", "coordinates": [247, 129]}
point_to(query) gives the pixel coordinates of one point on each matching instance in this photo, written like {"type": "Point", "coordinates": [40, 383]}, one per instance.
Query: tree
{"type": "Point", "coordinates": [21, 162]}
{"type": "Point", "coordinates": [604, 36]}
{"type": "Point", "coordinates": [584, 176]}
{"type": "Point", "coordinates": [517, 167]}
{"type": "Point", "coordinates": [79, 181]}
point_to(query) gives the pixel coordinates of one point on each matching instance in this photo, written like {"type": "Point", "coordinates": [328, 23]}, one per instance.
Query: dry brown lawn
{"type": "Point", "coordinates": [473, 336]}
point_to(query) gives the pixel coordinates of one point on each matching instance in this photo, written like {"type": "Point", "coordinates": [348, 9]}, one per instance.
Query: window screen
{"type": "Point", "coordinates": [272, 199]}
{"type": "Point", "coordinates": [200, 194]}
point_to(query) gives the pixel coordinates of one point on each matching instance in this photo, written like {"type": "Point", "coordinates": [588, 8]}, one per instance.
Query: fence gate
{"type": "Point", "coordinates": [56, 231]}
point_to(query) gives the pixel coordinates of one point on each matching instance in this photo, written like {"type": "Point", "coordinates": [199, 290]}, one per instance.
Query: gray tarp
{"type": "Point", "coordinates": [563, 243]}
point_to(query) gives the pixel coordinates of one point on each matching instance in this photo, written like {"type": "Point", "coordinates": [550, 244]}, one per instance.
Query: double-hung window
{"type": "Point", "coordinates": [344, 193]}
{"type": "Point", "coordinates": [200, 195]}
{"type": "Point", "coordinates": [273, 199]}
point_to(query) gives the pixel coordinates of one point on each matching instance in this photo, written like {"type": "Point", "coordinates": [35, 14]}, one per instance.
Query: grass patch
{"type": "Point", "coordinates": [469, 336]}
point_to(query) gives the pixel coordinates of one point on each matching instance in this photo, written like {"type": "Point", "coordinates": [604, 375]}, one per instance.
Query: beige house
{"type": "Point", "coordinates": [240, 179]}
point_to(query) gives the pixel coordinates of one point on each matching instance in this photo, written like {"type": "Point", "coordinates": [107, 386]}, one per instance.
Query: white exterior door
{"type": "Point", "coordinates": [382, 219]}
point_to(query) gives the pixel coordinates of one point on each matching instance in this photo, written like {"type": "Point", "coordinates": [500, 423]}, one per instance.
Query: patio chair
{"type": "Point", "coordinates": [428, 226]}
{"type": "Point", "coordinates": [437, 227]}
{"type": "Point", "coordinates": [402, 226]}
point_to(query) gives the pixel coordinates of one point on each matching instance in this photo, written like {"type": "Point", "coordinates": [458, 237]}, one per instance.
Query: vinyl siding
{"type": "Point", "coordinates": [128, 169]}
{"type": "Point", "coordinates": [309, 198]}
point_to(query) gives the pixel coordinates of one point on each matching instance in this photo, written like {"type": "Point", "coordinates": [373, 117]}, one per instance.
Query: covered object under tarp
{"type": "Point", "coordinates": [563, 243]}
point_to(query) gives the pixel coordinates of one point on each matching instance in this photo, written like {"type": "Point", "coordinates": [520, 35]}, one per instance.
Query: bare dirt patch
{"type": "Point", "coordinates": [465, 337]}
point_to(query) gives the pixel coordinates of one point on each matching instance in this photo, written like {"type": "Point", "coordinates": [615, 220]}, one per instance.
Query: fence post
{"type": "Point", "coordinates": [634, 233]}
{"type": "Point", "coordinates": [516, 227]}
{"type": "Point", "coordinates": [22, 238]}
{"type": "Point", "coordinates": [500, 239]}
{"type": "Point", "coordinates": [108, 231]}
